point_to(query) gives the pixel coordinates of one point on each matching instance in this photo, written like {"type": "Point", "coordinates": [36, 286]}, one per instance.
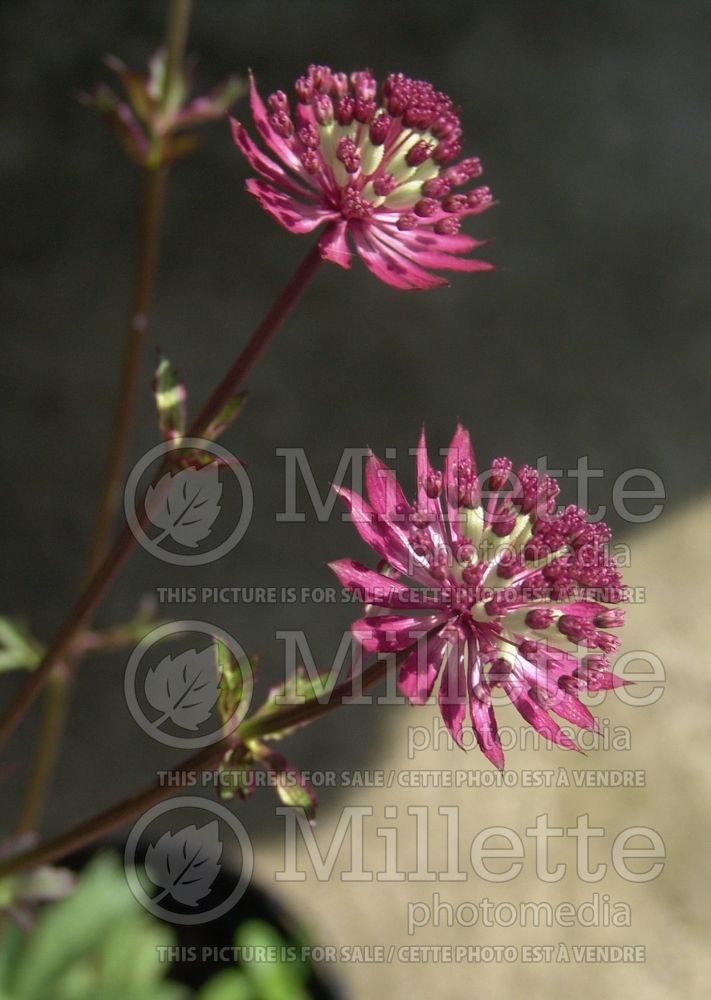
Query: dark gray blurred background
{"type": "Point", "coordinates": [593, 124]}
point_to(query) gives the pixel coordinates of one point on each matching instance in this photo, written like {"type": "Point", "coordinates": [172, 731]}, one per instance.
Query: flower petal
{"type": "Point", "coordinates": [425, 237]}
{"type": "Point", "coordinates": [384, 492]}
{"type": "Point", "coordinates": [453, 689]}
{"type": "Point", "coordinates": [393, 633]}
{"type": "Point", "coordinates": [424, 250]}
{"type": "Point", "coordinates": [607, 681]}
{"type": "Point", "coordinates": [535, 715]}
{"type": "Point", "coordinates": [334, 246]}
{"type": "Point", "coordinates": [429, 504]}
{"type": "Point", "coordinates": [460, 451]}
{"type": "Point", "coordinates": [392, 268]}
{"type": "Point", "coordinates": [388, 540]}
{"type": "Point", "coordinates": [481, 711]}
{"type": "Point", "coordinates": [545, 679]}
{"type": "Point", "coordinates": [569, 708]}
{"type": "Point", "coordinates": [262, 163]}
{"type": "Point", "coordinates": [280, 147]}
{"type": "Point", "coordinates": [375, 588]}
{"type": "Point", "coordinates": [486, 731]}
{"type": "Point", "coordinates": [419, 670]}
{"type": "Point", "coordinates": [423, 468]}
{"type": "Point", "coordinates": [288, 212]}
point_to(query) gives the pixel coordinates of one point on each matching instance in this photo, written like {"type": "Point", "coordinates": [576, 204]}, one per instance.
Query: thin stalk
{"type": "Point", "coordinates": [57, 699]}
{"type": "Point", "coordinates": [257, 345]}
{"type": "Point", "coordinates": [110, 819]}
{"type": "Point", "coordinates": [153, 195]}
{"type": "Point", "coordinates": [99, 584]}
{"type": "Point", "coordinates": [116, 816]}
{"type": "Point", "coordinates": [151, 212]}
{"type": "Point", "coordinates": [176, 40]}
{"type": "Point", "coordinates": [47, 749]}
{"type": "Point", "coordinates": [288, 716]}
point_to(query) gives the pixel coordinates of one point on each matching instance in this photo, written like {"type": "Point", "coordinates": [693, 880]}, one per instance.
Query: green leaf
{"type": "Point", "coordinates": [129, 960]}
{"type": "Point", "coordinates": [298, 796]}
{"type": "Point", "coordinates": [170, 397]}
{"type": "Point", "coordinates": [229, 412]}
{"type": "Point", "coordinates": [225, 95]}
{"type": "Point", "coordinates": [98, 944]}
{"type": "Point", "coordinates": [215, 105]}
{"type": "Point", "coordinates": [297, 689]}
{"type": "Point", "coordinates": [172, 101]}
{"type": "Point", "coordinates": [236, 780]}
{"type": "Point", "coordinates": [11, 942]}
{"type": "Point", "coordinates": [121, 636]}
{"type": "Point", "coordinates": [42, 885]}
{"type": "Point", "coordinates": [291, 786]}
{"type": "Point", "coordinates": [18, 647]}
{"type": "Point", "coordinates": [301, 687]}
{"type": "Point", "coordinates": [272, 980]}
{"type": "Point", "coordinates": [136, 86]}
{"type": "Point", "coordinates": [235, 683]}
{"type": "Point", "coordinates": [230, 984]}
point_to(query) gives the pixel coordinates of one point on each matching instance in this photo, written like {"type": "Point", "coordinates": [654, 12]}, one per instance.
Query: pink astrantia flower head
{"type": "Point", "coordinates": [376, 162]}
{"type": "Point", "coordinates": [507, 592]}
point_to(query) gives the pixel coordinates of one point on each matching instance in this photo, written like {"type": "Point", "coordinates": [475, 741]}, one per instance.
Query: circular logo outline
{"type": "Point", "coordinates": [160, 451]}
{"type": "Point", "coordinates": [178, 627]}
{"type": "Point", "coordinates": [185, 802]}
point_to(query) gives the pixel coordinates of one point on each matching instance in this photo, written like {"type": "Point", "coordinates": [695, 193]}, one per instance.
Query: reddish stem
{"type": "Point", "coordinates": [270, 724]}
{"type": "Point", "coordinates": [105, 574]}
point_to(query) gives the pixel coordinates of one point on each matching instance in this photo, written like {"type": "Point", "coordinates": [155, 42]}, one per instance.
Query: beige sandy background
{"type": "Point", "coordinates": [669, 744]}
